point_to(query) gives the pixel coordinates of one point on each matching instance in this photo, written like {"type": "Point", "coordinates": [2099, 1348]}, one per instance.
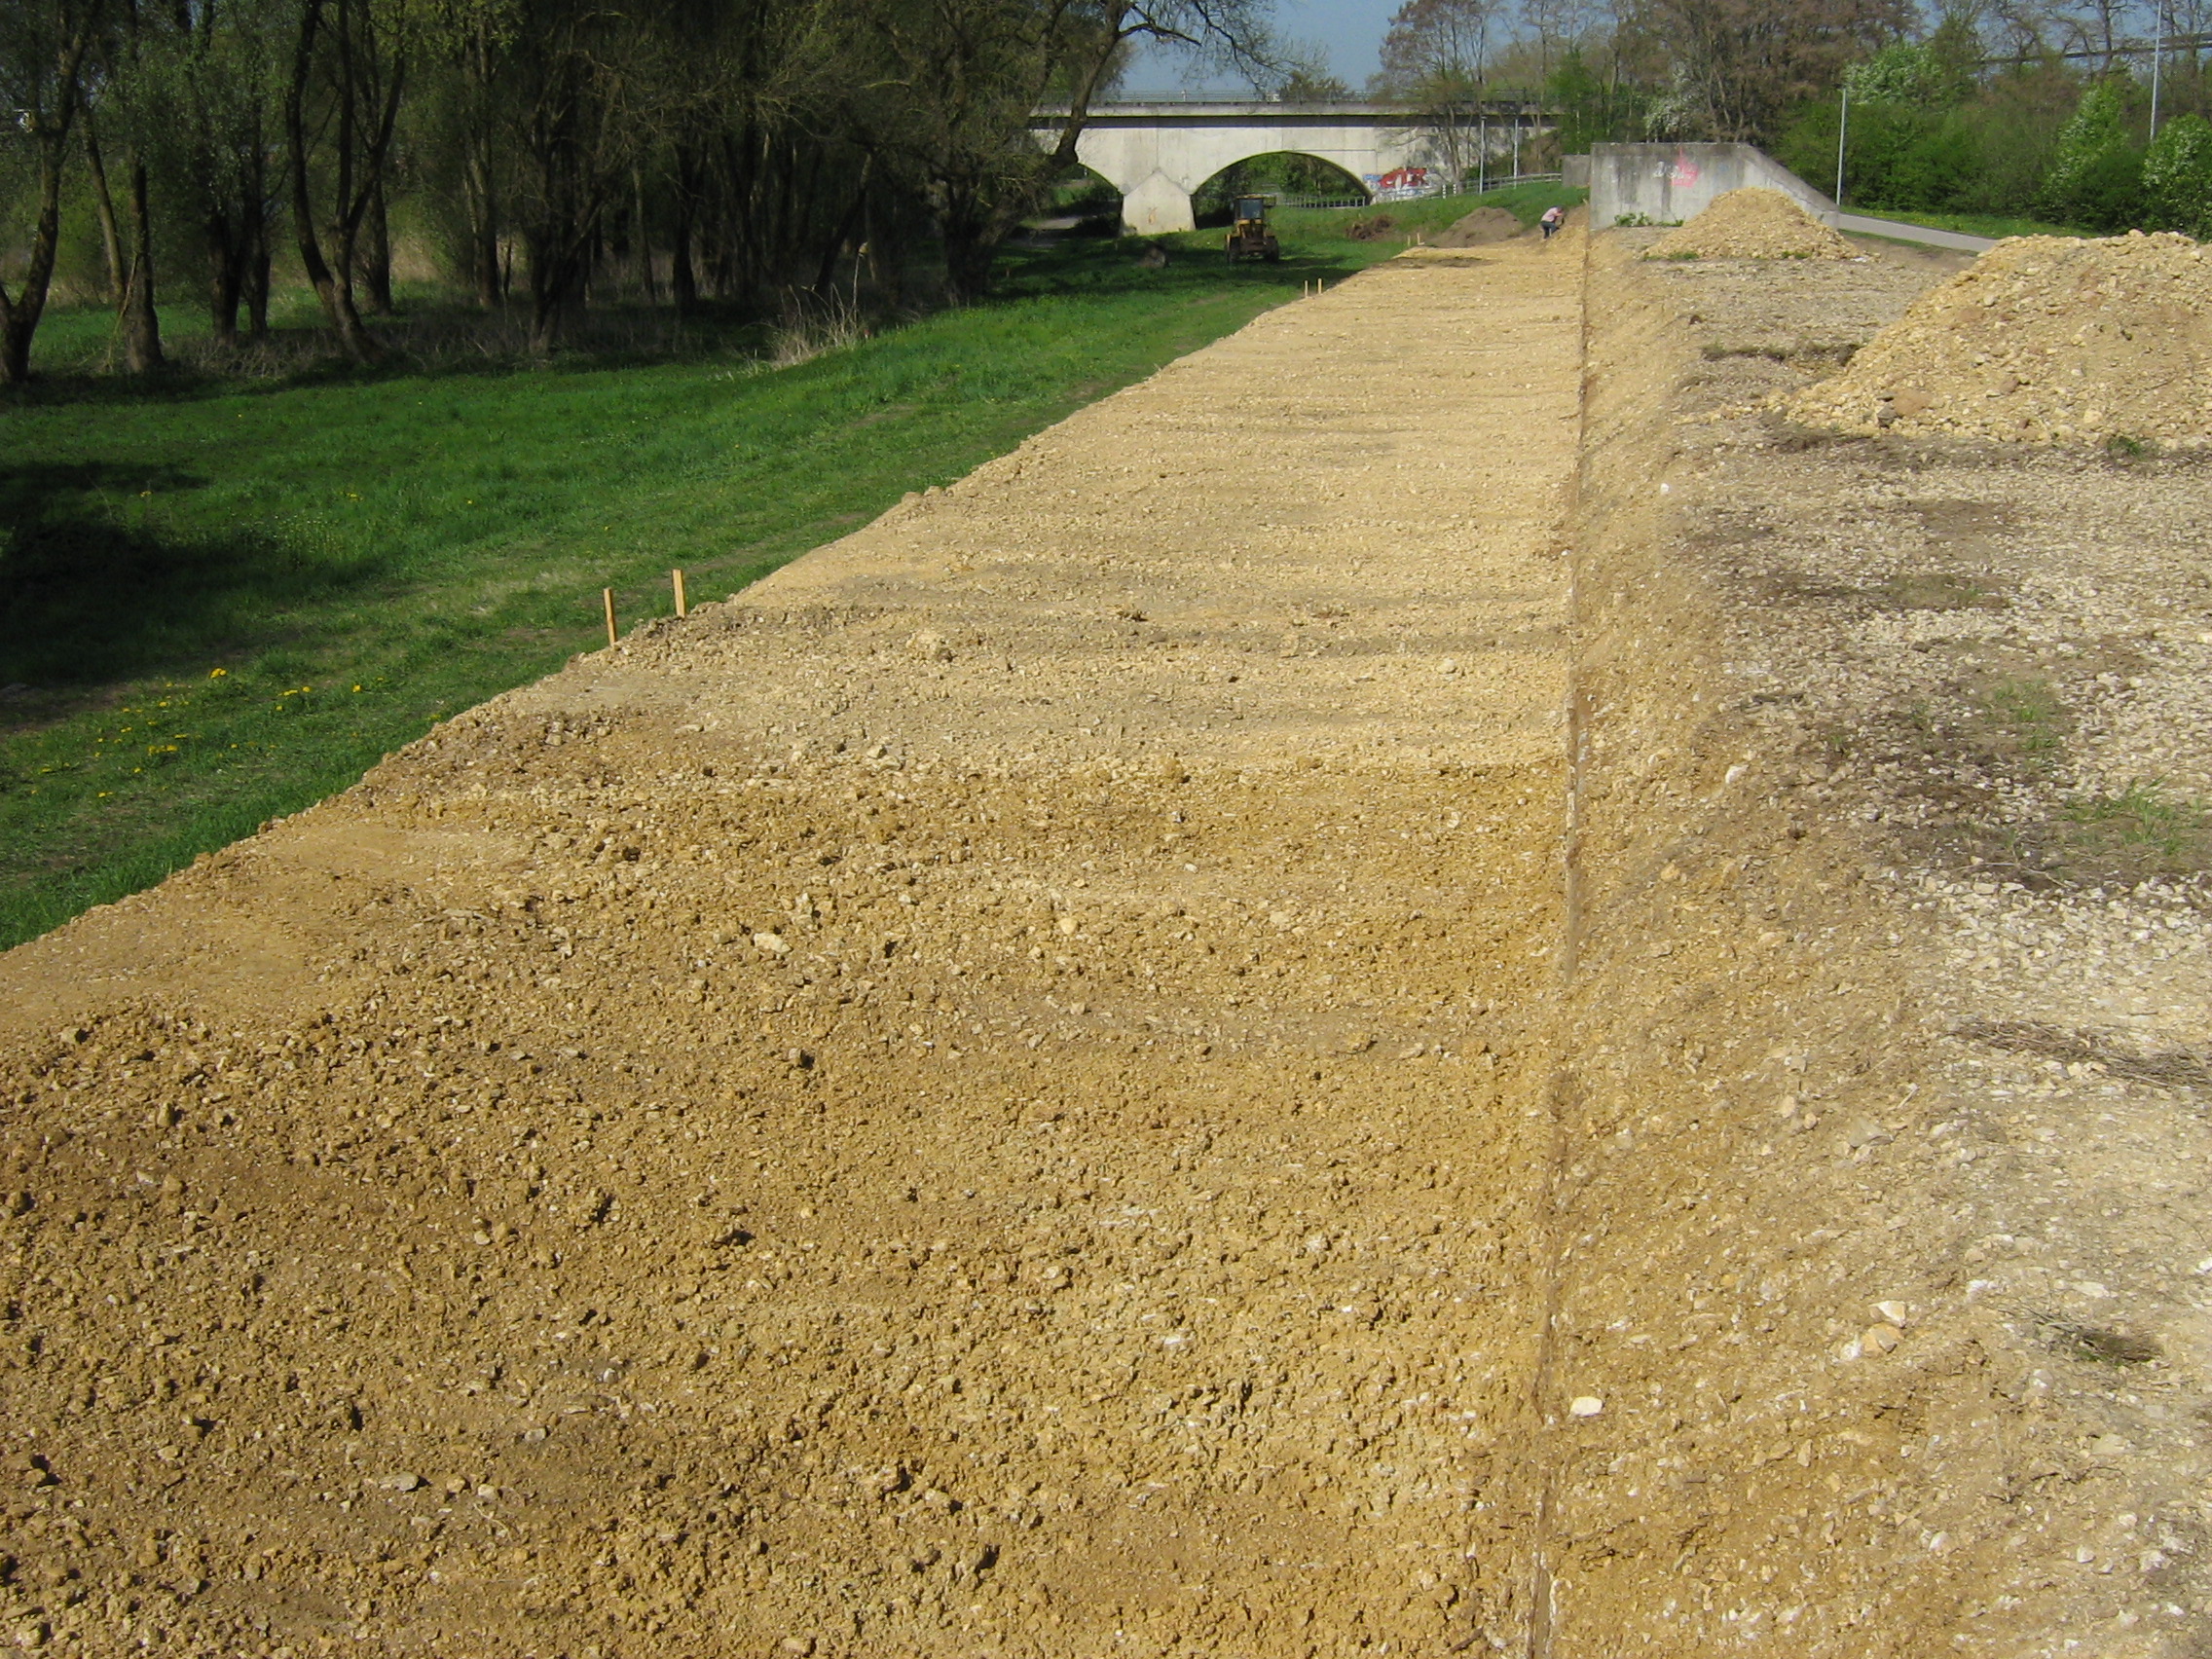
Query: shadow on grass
{"type": "Point", "coordinates": [432, 341]}
{"type": "Point", "coordinates": [87, 600]}
{"type": "Point", "coordinates": [1196, 264]}
{"type": "Point", "coordinates": [442, 340]}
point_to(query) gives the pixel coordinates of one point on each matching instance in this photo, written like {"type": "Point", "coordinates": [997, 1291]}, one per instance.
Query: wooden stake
{"type": "Point", "coordinates": [607, 597]}
{"type": "Point", "coordinates": [683, 608]}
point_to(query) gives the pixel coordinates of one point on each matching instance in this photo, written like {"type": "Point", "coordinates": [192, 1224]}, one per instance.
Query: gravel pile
{"type": "Point", "coordinates": [1752, 224]}
{"type": "Point", "coordinates": [2043, 340]}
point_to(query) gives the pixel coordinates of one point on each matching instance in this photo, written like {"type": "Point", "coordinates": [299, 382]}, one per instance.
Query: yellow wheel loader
{"type": "Point", "coordinates": [1249, 237]}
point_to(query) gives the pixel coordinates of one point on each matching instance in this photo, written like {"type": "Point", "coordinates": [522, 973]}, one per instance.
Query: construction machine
{"type": "Point", "coordinates": [1249, 235]}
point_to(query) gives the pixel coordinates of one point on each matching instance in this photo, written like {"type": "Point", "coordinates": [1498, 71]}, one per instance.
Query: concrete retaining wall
{"type": "Point", "coordinates": [1665, 184]}
{"type": "Point", "coordinates": [1669, 183]}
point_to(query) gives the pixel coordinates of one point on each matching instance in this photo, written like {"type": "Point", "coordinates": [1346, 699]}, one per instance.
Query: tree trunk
{"type": "Point", "coordinates": [142, 323]}
{"type": "Point", "coordinates": [334, 287]}
{"type": "Point", "coordinates": [376, 257]}
{"type": "Point", "coordinates": [969, 248]}
{"type": "Point", "coordinates": [682, 280]}
{"type": "Point", "coordinates": [556, 286]}
{"type": "Point", "coordinates": [682, 276]}
{"type": "Point", "coordinates": [103, 209]}
{"type": "Point", "coordinates": [640, 244]}
{"type": "Point", "coordinates": [479, 176]}
{"type": "Point", "coordinates": [483, 224]}
{"type": "Point", "coordinates": [256, 277]}
{"type": "Point", "coordinates": [19, 316]}
{"type": "Point", "coordinates": [826, 272]}
{"type": "Point", "coordinates": [968, 263]}
{"type": "Point", "coordinates": [226, 272]}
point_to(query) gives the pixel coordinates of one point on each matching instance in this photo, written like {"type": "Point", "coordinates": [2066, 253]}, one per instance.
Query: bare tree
{"type": "Point", "coordinates": [44, 48]}
{"type": "Point", "coordinates": [1740, 64]}
{"type": "Point", "coordinates": [349, 70]}
{"type": "Point", "coordinates": [1556, 25]}
{"type": "Point", "coordinates": [1437, 56]}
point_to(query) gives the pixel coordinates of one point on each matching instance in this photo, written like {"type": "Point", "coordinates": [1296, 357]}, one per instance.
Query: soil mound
{"type": "Point", "coordinates": [1752, 224]}
{"type": "Point", "coordinates": [1485, 224]}
{"type": "Point", "coordinates": [2042, 340]}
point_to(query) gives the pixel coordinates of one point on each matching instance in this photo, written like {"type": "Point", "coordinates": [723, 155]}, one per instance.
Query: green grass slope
{"type": "Point", "coordinates": [221, 601]}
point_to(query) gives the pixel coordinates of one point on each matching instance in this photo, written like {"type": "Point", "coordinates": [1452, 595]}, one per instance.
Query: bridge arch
{"type": "Point", "coordinates": [1279, 172]}
{"type": "Point", "coordinates": [1156, 155]}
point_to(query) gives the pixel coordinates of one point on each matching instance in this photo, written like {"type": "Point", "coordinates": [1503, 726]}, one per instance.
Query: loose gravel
{"type": "Point", "coordinates": [1752, 224]}
{"type": "Point", "coordinates": [2043, 340]}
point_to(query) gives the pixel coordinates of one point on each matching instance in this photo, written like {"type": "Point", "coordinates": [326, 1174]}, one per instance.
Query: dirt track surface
{"type": "Point", "coordinates": [1302, 1020]}
{"type": "Point", "coordinates": [984, 1096]}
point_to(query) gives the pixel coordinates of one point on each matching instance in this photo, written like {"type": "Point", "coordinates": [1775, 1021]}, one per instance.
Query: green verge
{"type": "Point", "coordinates": [221, 601]}
{"type": "Point", "coordinates": [1993, 225]}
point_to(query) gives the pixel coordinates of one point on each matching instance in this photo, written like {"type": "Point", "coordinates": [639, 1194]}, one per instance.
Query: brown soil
{"type": "Point", "coordinates": [2043, 340]}
{"type": "Point", "coordinates": [1829, 1063]}
{"type": "Point", "coordinates": [1094, 1069]}
{"type": "Point", "coordinates": [1485, 224]}
{"type": "Point", "coordinates": [1752, 224]}
{"type": "Point", "coordinates": [983, 1095]}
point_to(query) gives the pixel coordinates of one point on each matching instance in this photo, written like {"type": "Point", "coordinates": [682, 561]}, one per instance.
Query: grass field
{"type": "Point", "coordinates": [221, 600]}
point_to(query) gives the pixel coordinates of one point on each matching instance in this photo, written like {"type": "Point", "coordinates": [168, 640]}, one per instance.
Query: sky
{"type": "Point", "coordinates": [1348, 32]}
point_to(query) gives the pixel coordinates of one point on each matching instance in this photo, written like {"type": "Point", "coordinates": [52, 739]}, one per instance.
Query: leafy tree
{"type": "Point", "coordinates": [1593, 110]}
{"type": "Point", "coordinates": [2095, 176]}
{"type": "Point", "coordinates": [555, 146]}
{"type": "Point", "coordinates": [1307, 79]}
{"type": "Point", "coordinates": [2177, 178]}
{"type": "Point", "coordinates": [1907, 73]}
{"type": "Point", "coordinates": [946, 90]}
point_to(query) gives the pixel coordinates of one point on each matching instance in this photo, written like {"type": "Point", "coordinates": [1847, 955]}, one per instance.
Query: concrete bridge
{"type": "Point", "coordinates": [1156, 153]}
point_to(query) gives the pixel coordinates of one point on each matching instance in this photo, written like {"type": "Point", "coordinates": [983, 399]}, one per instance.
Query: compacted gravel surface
{"type": "Point", "coordinates": [981, 1096]}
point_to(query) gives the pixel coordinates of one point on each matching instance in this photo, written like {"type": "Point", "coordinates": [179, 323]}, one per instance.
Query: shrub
{"type": "Point", "coordinates": [2177, 178]}
{"type": "Point", "coordinates": [2095, 177]}
{"type": "Point", "coordinates": [1901, 156]}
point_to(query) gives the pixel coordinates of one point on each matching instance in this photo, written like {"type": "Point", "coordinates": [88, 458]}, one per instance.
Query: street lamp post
{"type": "Point", "coordinates": [1842, 131]}
{"type": "Point", "coordinates": [2158, 61]}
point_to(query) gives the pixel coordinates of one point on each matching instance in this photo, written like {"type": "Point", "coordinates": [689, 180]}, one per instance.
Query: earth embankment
{"type": "Point", "coordinates": [987, 1096]}
{"type": "Point", "coordinates": [1095, 1068]}
{"type": "Point", "coordinates": [1885, 1053]}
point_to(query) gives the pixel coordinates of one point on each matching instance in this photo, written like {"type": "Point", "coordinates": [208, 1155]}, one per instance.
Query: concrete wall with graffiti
{"type": "Point", "coordinates": [1665, 184]}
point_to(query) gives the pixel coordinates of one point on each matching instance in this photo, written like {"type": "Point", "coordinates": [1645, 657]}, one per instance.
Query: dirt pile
{"type": "Point", "coordinates": [2043, 340]}
{"type": "Point", "coordinates": [1485, 224]}
{"type": "Point", "coordinates": [1752, 224]}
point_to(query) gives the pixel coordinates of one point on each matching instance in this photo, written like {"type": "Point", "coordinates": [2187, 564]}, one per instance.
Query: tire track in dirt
{"type": "Point", "coordinates": [984, 1096]}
